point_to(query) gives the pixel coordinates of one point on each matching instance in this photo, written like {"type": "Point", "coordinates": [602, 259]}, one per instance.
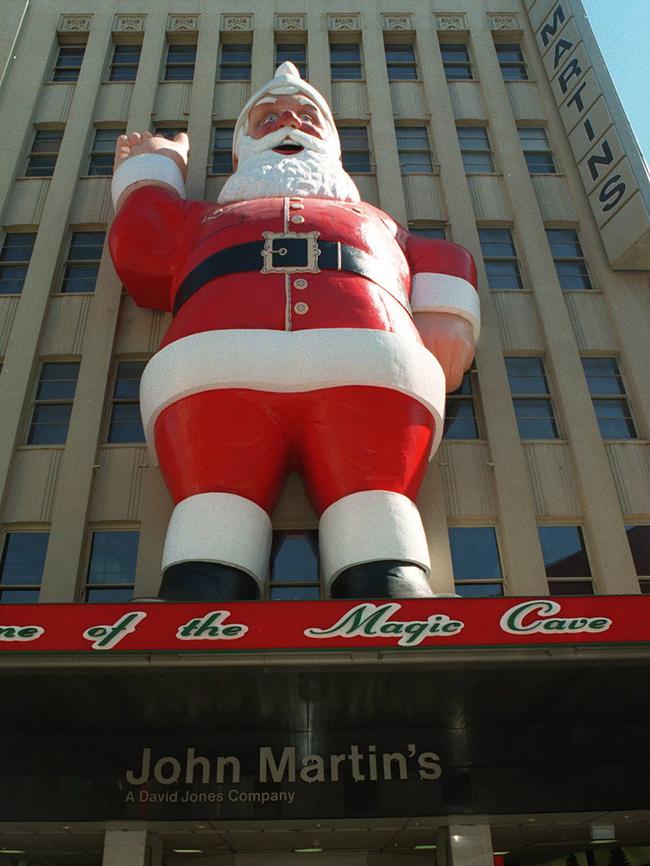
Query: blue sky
{"type": "Point", "coordinates": [622, 29]}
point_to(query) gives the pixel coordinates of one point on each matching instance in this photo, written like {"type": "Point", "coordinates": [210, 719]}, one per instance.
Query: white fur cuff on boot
{"type": "Point", "coordinates": [220, 527]}
{"type": "Point", "coordinates": [370, 526]}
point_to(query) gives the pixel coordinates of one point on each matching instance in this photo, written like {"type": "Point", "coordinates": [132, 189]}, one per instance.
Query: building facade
{"type": "Point", "coordinates": [493, 124]}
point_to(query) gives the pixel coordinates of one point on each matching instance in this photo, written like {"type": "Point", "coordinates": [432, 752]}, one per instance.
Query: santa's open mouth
{"type": "Point", "coordinates": [288, 148]}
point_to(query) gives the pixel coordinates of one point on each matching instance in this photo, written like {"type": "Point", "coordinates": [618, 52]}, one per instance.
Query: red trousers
{"type": "Point", "coordinates": [340, 440]}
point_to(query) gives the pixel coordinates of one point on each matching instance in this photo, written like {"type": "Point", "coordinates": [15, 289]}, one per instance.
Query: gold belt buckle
{"type": "Point", "coordinates": [302, 246]}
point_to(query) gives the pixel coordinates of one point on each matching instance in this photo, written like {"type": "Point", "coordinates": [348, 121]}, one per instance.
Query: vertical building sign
{"type": "Point", "coordinates": [611, 167]}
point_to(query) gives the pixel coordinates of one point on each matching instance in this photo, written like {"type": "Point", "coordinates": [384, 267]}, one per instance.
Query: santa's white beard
{"type": "Point", "coordinates": [262, 173]}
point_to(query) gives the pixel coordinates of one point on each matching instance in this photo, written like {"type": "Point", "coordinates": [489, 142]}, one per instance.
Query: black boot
{"type": "Point", "coordinates": [207, 581]}
{"type": "Point", "coordinates": [387, 578]}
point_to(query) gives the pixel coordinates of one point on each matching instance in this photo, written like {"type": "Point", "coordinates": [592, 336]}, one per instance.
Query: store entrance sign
{"type": "Point", "coordinates": [423, 624]}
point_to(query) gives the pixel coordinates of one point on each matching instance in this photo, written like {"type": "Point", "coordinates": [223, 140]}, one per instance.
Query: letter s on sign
{"type": "Point", "coordinates": [613, 188]}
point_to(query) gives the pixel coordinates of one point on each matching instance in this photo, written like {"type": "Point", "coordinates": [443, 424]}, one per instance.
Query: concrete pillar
{"type": "Point", "coordinates": [610, 556]}
{"type": "Point", "coordinates": [465, 845]}
{"type": "Point", "coordinates": [521, 557]}
{"type": "Point", "coordinates": [131, 848]}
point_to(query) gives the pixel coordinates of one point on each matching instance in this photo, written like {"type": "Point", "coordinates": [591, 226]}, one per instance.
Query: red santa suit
{"type": "Point", "coordinates": [292, 346]}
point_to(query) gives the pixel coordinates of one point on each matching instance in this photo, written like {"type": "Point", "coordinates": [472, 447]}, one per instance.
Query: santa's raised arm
{"type": "Point", "coordinates": [310, 332]}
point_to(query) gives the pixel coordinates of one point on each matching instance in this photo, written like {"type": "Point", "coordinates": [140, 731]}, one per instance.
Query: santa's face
{"type": "Point", "coordinates": [289, 148]}
{"type": "Point", "coordinates": [286, 112]}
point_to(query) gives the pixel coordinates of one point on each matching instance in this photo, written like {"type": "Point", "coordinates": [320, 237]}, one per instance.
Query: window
{"type": "Point", "coordinates": [235, 62]}
{"type": "Point", "coordinates": [111, 570]}
{"type": "Point", "coordinates": [124, 65]}
{"type": "Point", "coordinates": [296, 52]}
{"type": "Point", "coordinates": [475, 560]}
{"type": "Point", "coordinates": [569, 259]}
{"type": "Point", "coordinates": [125, 424]}
{"type": "Point", "coordinates": [355, 149]}
{"type": "Point", "coordinates": [638, 537]}
{"type": "Point", "coordinates": [414, 150]}
{"type": "Point", "coordinates": [44, 153]}
{"type": "Point", "coordinates": [537, 150]}
{"type": "Point", "coordinates": [81, 268]}
{"type": "Point", "coordinates": [500, 258]}
{"type": "Point", "coordinates": [294, 565]}
{"type": "Point", "coordinates": [455, 61]}
{"type": "Point", "coordinates": [345, 61]}
{"type": "Point", "coordinates": [53, 404]}
{"type": "Point", "coordinates": [461, 420]}
{"type": "Point", "coordinates": [511, 61]}
{"type": "Point", "coordinates": [531, 398]}
{"type": "Point", "coordinates": [15, 256]}
{"type": "Point", "coordinates": [21, 570]}
{"type": "Point", "coordinates": [475, 149]}
{"type": "Point", "coordinates": [222, 150]}
{"type": "Point", "coordinates": [68, 62]}
{"type": "Point", "coordinates": [426, 230]}
{"type": "Point", "coordinates": [400, 62]}
{"type": "Point", "coordinates": [103, 152]}
{"type": "Point", "coordinates": [608, 397]}
{"type": "Point", "coordinates": [565, 560]}
{"type": "Point", "coordinates": [169, 131]}
{"type": "Point", "coordinates": [181, 57]}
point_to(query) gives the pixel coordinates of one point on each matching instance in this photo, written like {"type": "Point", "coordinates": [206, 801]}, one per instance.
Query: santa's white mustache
{"type": "Point", "coordinates": [284, 135]}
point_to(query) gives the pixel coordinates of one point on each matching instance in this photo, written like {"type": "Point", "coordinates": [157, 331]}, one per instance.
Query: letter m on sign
{"type": "Point", "coordinates": [550, 28]}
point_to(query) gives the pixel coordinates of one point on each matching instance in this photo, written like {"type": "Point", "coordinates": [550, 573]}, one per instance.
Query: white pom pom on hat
{"type": "Point", "coordinates": [286, 82]}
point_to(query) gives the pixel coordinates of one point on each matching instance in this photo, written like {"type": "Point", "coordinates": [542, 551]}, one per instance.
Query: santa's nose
{"type": "Point", "coordinates": [288, 118]}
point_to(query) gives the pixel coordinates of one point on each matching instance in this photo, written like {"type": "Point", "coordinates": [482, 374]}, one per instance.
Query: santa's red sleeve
{"type": "Point", "coordinates": [150, 228]}
{"type": "Point", "coordinates": [443, 279]}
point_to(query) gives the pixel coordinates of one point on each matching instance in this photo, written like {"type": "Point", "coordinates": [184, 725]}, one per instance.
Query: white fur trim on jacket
{"type": "Point", "coordinates": [220, 527]}
{"type": "Point", "coordinates": [147, 166]}
{"type": "Point", "coordinates": [290, 362]}
{"type": "Point", "coordinates": [442, 293]}
{"type": "Point", "coordinates": [370, 526]}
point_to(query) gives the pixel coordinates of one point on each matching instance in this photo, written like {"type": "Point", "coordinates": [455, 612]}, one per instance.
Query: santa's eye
{"type": "Point", "coordinates": [307, 117]}
{"type": "Point", "coordinates": [270, 118]}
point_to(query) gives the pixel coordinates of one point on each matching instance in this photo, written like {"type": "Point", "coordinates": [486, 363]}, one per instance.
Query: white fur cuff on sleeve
{"type": "Point", "coordinates": [147, 166]}
{"type": "Point", "coordinates": [442, 293]}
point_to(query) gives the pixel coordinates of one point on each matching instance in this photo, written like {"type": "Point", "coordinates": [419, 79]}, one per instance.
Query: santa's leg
{"type": "Point", "coordinates": [365, 451]}
{"type": "Point", "coordinates": [224, 456]}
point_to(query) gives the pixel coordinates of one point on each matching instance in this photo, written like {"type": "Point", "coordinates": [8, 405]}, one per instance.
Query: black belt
{"type": "Point", "coordinates": [282, 254]}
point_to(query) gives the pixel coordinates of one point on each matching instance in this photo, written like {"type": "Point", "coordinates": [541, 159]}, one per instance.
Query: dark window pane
{"type": "Point", "coordinates": [436, 232]}
{"type": "Point", "coordinates": [564, 551]}
{"type": "Point", "coordinates": [295, 593]}
{"type": "Point", "coordinates": [79, 278]}
{"type": "Point", "coordinates": [400, 53]}
{"type": "Point", "coordinates": [460, 421]}
{"type": "Point", "coordinates": [474, 553]}
{"type": "Point", "coordinates": [639, 540]}
{"type": "Point", "coordinates": [113, 557]}
{"type": "Point", "coordinates": [294, 556]}
{"type": "Point", "coordinates": [346, 51]}
{"type": "Point", "coordinates": [346, 73]}
{"type": "Point", "coordinates": [236, 53]}
{"type": "Point", "coordinates": [479, 590]}
{"type": "Point", "coordinates": [19, 596]}
{"type": "Point", "coordinates": [514, 73]}
{"type": "Point", "coordinates": [169, 132]}
{"type": "Point", "coordinates": [68, 63]}
{"type": "Point", "coordinates": [570, 587]}
{"type": "Point", "coordinates": [458, 73]}
{"type": "Point", "coordinates": [23, 558]}
{"type": "Point", "coordinates": [402, 73]}
{"type": "Point", "coordinates": [12, 280]}
{"type": "Point", "coordinates": [53, 406]}
{"type": "Point", "coordinates": [101, 595]}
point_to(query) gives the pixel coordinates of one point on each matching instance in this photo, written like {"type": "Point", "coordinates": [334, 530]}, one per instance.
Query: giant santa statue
{"type": "Point", "coordinates": [310, 331]}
